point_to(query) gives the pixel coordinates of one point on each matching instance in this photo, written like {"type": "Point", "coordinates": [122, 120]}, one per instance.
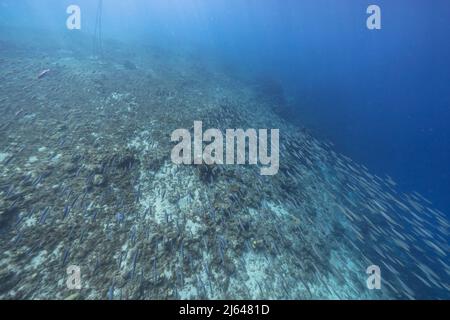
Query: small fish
{"type": "Point", "coordinates": [61, 142]}
{"type": "Point", "coordinates": [65, 256]}
{"type": "Point", "coordinates": [20, 219]}
{"type": "Point", "coordinates": [135, 258]}
{"type": "Point", "coordinates": [10, 191]}
{"type": "Point", "coordinates": [66, 211]}
{"type": "Point", "coordinates": [8, 160]}
{"type": "Point", "coordinates": [13, 205]}
{"type": "Point", "coordinates": [43, 216]}
{"type": "Point", "coordinates": [121, 258]}
{"type": "Point", "coordinates": [82, 235]}
{"type": "Point", "coordinates": [75, 201]}
{"type": "Point", "coordinates": [120, 217]}
{"type": "Point", "coordinates": [18, 113]}
{"type": "Point", "coordinates": [201, 285]}
{"type": "Point", "coordinates": [30, 213]}
{"type": "Point", "coordinates": [111, 292]}
{"type": "Point", "coordinates": [146, 212]}
{"type": "Point", "coordinates": [37, 181]}
{"type": "Point", "coordinates": [180, 277]}
{"type": "Point", "coordinates": [182, 251]}
{"type": "Point", "coordinates": [133, 234]}
{"type": "Point", "coordinates": [155, 273]}
{"type": "Point", "coordinates": [43, 73]}
{"type": "Point", "coordinates": [138, 194]}
{"type": "Point", "coordinates": [18, 237]}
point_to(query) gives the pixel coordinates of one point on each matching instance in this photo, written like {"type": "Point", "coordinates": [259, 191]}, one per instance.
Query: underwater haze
{"type": "Point", "coordinates": [358, 208]}
{"type": "Point", "coordinates": [386, 89]}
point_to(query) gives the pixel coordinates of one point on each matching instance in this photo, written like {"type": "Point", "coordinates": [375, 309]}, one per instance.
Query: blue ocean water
{"type": "Point", "coordinates": [380, 96]}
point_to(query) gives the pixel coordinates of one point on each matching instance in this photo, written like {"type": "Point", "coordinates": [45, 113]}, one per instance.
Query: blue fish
{"type": "Point", "coordinates": [43, 216]}
{"type": "Point", "coordinates": [120, 217]}
{"type": "Point", "coordinates": [66, 211]}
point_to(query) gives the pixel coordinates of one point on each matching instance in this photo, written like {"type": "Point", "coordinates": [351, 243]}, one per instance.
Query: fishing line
{"type": "Point", "coordinates": [98, 37]}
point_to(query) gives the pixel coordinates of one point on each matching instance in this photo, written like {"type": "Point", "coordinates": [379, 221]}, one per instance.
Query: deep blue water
{"type": "Point", "coordinates": [381, 96]}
